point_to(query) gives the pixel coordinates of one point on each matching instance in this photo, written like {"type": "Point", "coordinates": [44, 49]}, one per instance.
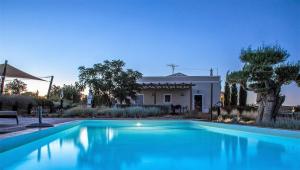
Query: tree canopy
{"type": "Point", "coordinates": [71, 92]}
{"type": "Point", "coordinates": [16, 86]}
{"type": "Point", "coordinates": [264, 71]}
{"type": "Point", "coordinates": [264, 68]}
{"type": "Point", "coordinates": [110, 80]}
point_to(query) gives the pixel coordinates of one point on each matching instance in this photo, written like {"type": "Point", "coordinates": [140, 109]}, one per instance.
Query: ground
{"type": "Point", "coordinates": [9, 125]}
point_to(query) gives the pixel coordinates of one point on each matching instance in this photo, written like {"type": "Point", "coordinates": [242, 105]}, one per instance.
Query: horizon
{"type": "Point", "coordinates": [56, 37]}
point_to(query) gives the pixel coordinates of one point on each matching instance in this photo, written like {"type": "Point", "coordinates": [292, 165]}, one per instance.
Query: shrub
{"type": "Point", "coordinates": [24, 104]}
{"type": "Point", "coordinates": [47, 104]}
{"type": "Point", "coordinates": [135, 111]}
{"type": "Point", "coordinates": [29, 108]}
{"type": "Point", "coordinates": [285, 123]}
{"type": "Point", "coordinates": [79, 111]}
{"type": "Point", "coordinates": [297, 109]}
{"type": "Point", "coordinates": [15, 107]}
{"type": "Point", "coordinates": [9, 101]}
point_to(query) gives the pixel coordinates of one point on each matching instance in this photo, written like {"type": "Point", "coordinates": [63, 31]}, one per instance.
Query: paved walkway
{"type": "Point", "coordinates": [10, 125]}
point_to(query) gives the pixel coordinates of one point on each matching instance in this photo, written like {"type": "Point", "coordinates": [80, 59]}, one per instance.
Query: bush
{"type": "Point", "coordinates": [285, 123]}
{"type": "Point", "coordinates": [15, 107]}
{"type": "Point", "coordinates": [29, 108]}
{"type": "Point", "coordinates": [16, 102]}
{"type": "Point", "coordinates": [47, 104]}
{"type": "Point", "coordinates": [297, 109]}
{"type": "Point", "coordinates": [79, 111]}
{"type": "Point", "coordinates": [135, 111]}
{"type": "Point", "coordinates": [24, 104]}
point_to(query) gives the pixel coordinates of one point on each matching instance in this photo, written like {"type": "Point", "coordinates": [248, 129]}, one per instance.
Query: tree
{"type": "Point", "coordinates": [234, 96]}
{"type": "Point", "coordinates": [226, 93]}
{"type": "Point", "coordinates": [32, 94]}
{"type": "Point", "coordinates": [265, 70]}
{"type": "Point", "coordinates": [55, 93]}
{"type": "Point", "coordinates": [110, 80]}
{"type": "Point", "coordinates": [16, 86]}
{"type": "Point", "coordinates": [71, 92]}
{"type": "Point", "coordinates": [242, 96]}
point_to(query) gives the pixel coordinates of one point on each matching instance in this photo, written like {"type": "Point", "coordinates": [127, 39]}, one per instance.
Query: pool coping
{"type": "Point", "coordinates": [254, 129]}
{"type": "Point", "coordinates": [20, 138]}
{"type": "Point", "coordinates": [23, 137]}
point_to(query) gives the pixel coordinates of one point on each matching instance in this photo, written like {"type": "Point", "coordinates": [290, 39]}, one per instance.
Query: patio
{"type": "Point", "coordinates": [9, 125]}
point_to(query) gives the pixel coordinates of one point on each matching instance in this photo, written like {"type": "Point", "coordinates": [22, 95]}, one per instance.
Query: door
{"type": "Point", "coordinates": [198, 103]}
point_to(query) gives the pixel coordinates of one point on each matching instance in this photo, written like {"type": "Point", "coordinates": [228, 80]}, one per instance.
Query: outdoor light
{"type": "Point", "coordinates": [138, 124]}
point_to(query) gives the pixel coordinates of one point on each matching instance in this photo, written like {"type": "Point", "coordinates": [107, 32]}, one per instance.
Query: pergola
{"type": "Point", "coordinates": [168, 86]}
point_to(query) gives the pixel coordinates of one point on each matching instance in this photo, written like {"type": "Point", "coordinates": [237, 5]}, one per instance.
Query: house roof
{"type": "Point", "coordinates": [177, 74]}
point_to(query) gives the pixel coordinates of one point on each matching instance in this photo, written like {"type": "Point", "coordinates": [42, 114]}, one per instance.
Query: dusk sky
{"type": "Point", "coordinates": [55, 37]}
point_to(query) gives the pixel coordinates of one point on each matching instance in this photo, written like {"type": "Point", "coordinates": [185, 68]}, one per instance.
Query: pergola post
{"type": "Point", "coordinates": [191, 98]}
{"type": "Point", "coordinates": [3, 77]}
{"type": "Point", "coordinates": [155, 97]}
{"type": "Point", "coordinates": [211, 100]}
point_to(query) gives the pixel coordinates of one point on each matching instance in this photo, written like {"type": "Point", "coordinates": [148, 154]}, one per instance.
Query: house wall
{"type": "Point", "coordinates": [182, 96]}
{"type": "Point", "coordinates": [178, 97]}
{"type": "Point", "coordinates": [204, 90]}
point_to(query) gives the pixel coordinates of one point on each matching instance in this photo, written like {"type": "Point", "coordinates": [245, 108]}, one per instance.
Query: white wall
{"type": "Point", "coordinates": [204, 90]}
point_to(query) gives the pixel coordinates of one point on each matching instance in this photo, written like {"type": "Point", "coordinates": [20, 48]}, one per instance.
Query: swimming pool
{"type": "Point", "coordinates": [150, 145]}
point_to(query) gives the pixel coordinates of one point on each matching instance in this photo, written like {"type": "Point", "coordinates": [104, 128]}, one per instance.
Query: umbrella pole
{"type": "Point", "coordinates": [40, 124]}
{"type": "Point", "coordinates": [3, 77]}
{"type": "Point", "coordinates": [49, 89]}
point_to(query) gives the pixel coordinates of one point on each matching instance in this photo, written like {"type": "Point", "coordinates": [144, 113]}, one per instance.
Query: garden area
{"type": "Point", "coordinates": [114, 89]}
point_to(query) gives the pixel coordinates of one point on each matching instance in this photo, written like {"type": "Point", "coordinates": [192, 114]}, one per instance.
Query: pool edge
{"type": "Point", "coordinates": [29, 135]}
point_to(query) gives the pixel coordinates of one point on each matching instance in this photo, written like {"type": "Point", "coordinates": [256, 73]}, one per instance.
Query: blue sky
{"type": "Point", "coordinates": [55, 37]}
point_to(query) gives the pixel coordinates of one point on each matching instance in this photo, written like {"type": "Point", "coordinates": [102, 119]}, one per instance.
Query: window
{"type": "Point", "coordinates": [167, 98]}
{"type": "Point", "coordinates": [139, 99]}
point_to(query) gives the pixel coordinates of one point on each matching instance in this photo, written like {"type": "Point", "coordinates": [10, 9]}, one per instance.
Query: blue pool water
{"type": "Point", "coordinates": [153, 145]}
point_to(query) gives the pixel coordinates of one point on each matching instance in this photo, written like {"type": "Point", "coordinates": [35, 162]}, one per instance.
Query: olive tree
{"type": "Point", "coordinates": [265, 71]}
{"type": "Point", "coordinates": [110, 80]}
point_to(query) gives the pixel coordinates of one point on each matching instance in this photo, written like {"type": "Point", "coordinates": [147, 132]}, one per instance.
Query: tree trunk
{"type": "Point", "coordinates": [268, 108]}
{"type": "Point", "coordinates": [260, 110]}
{"type": "Point", "coordinates": [270, 103]}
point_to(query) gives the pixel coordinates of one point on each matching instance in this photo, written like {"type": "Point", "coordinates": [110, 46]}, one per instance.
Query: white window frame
{"type": "Point", "coordinates": [168, 94]}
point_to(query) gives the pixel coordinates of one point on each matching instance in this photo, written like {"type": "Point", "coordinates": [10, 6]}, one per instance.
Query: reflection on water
{"type": "Point", "coordinates": [110, 134]}
{"type": "Point", "coordinates": [83, 137]}
{"type": "Point", "coordinates": [39, 152]}
{"type": "Point", "coordinates": [117, 148]}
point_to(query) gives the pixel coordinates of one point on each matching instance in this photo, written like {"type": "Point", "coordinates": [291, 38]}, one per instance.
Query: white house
{"type": "Point", "coordinates": [191, 92]}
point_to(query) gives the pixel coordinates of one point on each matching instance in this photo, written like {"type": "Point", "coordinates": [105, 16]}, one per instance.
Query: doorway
{"type": "Point", "coordinates": [198, 103]}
